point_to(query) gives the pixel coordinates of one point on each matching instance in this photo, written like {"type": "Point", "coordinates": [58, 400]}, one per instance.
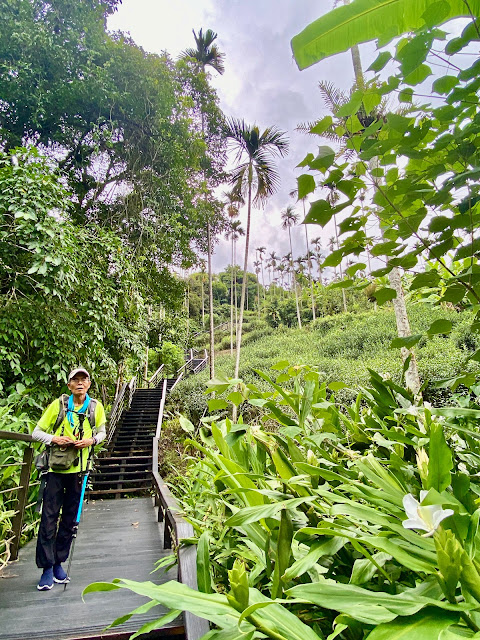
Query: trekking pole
{"type": "Point", "coordinates": [81, 418]}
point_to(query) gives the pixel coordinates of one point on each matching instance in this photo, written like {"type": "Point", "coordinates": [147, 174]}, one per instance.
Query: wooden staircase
{"type": "Point", "coordinates": [126, 466]}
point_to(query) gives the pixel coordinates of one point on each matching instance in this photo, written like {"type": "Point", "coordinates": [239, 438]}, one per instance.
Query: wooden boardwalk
{"type": "Point", "coordinates": [116, 539]}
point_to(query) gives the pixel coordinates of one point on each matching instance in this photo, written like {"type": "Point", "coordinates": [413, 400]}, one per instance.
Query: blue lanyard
{"type": "Point", "coordinates": [71, 409]}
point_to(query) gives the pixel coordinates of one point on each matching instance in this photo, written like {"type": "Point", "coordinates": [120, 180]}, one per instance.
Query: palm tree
{"type": "Point", "coordinates": [237, 232]}
{"type": "Point", "coordinates": [272, 263]}
{"type": "Point", "coordinates": [281, 268]}
{"type": "Point", "coordinates": [206, 55]}
{"type": "Point", "coordinates": [254, 173]}
{"type": "Point", "coordinates": [317, 245]}
{"type": "Point", "coordinates": [261, 251]}
{"type": "Point", "coordinates": [256, 264]}
{"type": "Point", "coordinates": [289, 219]}
{"type": "Point", "coordinates": [294, 194]}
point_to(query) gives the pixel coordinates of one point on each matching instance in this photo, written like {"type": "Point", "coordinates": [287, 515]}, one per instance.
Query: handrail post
{"type": "Point", "coordinates": [22, 495]}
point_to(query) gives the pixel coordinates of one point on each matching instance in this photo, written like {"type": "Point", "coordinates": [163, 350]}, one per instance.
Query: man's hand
{"type": "Point", "coordinates": [86, 442]}
{"type": "Point", "coordinates": [62, 441]}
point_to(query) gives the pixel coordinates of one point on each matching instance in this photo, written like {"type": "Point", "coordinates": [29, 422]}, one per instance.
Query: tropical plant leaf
{"type": "Point", "coordinates": [364, 20]}
{"type": "Point", "coordinates": [427, 625]}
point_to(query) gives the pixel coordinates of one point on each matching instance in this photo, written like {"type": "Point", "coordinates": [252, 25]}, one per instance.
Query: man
{"type": "Point", "coordinates": [63, 488]}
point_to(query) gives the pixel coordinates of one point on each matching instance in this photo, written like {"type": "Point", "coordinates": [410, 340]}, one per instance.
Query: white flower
{"type": "Point", "coordinates": [426, 518]}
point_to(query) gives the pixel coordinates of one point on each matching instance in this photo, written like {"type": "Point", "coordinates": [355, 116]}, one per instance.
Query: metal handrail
{"type": "Point", "coordinates": [122, 403]}
{"type": "Point", "coordinates": [132, 387]}
{"type": "Point", "coordinates": [176, 528]}
{"type": "Point", "coordinates": [219, 326]}
{"type": "Point", "coordinates": [153, 381]}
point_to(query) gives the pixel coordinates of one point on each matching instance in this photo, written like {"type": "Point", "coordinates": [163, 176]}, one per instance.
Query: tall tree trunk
{"type": "Point", "coordinates": [231, 305]}
{"type": "Point", "coordinates": [203, 303]}
{"type": "Point", "coordinates": [294, 282]}
{"type": "Point", "coordinates": [412, 378]}
{"type": "Point", "coordinates": [309, 265]}
{"type": "Point", "coordinates": [245, 266]}
{"type": "Point", "coordinates": [258, 296]}
{"type": "Point", "coordinates": [235, 287]}
{"type": "Point", "coordinates": [210, 304]}
{"type": "Point", "coordinates": [344, 295]}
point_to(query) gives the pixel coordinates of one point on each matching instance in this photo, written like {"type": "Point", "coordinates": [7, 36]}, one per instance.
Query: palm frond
{"type": "Point", "coordinates": [333, 97]}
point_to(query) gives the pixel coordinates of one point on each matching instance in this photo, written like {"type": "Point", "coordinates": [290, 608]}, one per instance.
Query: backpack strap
{"type": "Point", "coordinates": [91, 415]}
{"type": "Point", "coordinates": [62, 412]}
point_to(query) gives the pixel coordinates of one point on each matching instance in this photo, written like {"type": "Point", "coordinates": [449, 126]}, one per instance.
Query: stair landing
{"type": "Point", "coordinates": [116, 539]}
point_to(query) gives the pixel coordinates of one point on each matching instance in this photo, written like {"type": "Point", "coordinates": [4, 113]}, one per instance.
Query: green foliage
{"type": "Point", "coordinates": [423, 162]}
{"type": "Point", "coordinates": [308, 522]}
{"type": "Point", "coordinates": [364, 20]}
{"type": "Point", "coordinates": [172, 356]}
{"type": "Point", "coordinates": [67, 295]}
{"type": "Point", "coordinates": [14, 417]}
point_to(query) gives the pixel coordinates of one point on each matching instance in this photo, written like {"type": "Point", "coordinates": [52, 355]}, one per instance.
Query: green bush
{"type": "Point", "coordinates": [172, 356]}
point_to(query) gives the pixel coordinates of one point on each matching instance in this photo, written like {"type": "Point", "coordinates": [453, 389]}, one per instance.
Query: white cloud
{"type": "Point", "coordinates": [261, 84]}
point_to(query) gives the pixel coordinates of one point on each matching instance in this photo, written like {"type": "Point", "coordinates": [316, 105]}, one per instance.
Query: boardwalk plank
{"type": "Point", "coordinates": [117, 539]}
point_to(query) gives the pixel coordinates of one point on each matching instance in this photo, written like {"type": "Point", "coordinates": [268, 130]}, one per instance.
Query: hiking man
{"type": "Point", "coordinates": [66, 427]}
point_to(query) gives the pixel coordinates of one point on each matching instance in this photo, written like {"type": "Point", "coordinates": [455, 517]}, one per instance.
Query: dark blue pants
{"type": "Point", "coordinates": [62, 492]}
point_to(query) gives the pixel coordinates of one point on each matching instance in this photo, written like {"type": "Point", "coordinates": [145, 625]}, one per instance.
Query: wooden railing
{"type": "Point", "coordinates": [12, 542]}
{"type": "Point", "coordinates": [176, 528]}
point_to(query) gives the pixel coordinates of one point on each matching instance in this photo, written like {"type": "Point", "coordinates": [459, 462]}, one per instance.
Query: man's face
{"type": "Point", "coordinates": [79, 384]}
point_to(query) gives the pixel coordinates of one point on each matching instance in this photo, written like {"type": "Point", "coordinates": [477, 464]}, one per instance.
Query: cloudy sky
{"type": "Point", "coordinates": [261, 84]}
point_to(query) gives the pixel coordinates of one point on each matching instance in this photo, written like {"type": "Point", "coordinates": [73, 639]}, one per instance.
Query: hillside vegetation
{"type": "Point", "coordinates": [344, 347]}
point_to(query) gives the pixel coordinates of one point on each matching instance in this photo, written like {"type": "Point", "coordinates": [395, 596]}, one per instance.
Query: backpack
{"type": "Point", "coordinates": [62, 411]}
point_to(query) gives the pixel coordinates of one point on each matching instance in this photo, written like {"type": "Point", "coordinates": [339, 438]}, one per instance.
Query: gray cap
{"type": "Point", "coordinates": [75, 371]}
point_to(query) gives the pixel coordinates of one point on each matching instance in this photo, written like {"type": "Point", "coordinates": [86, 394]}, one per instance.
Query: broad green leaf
{"type": "Point", "coordinates": [405, 95]}
{"type": "Point", "coordinates": [157, 624]}
{"type": "Point", "coordinates": [364, 569]}
{"type": "Point", "coordinates": [371, 100]}
{"type": "Point", "coordinates": [445, 84]}
{"type": "Point", "coordinates": [254, 514]}
{"type": "Point", "coordinates": [426, 279]}
{"type": "Point", "coordinates": [324, 159]}
{"type": "Point", "coordinates": [351, 107]}
{"type": "Point", "coordinates": [425, 625]}
{"type": "Point", "coordinates": [322, 126]}
{"type": "Point", "coordinates": [320, 212]}
{"type": "Point", "coordinates": [235, 398]}
{"type": "Point", "coordinates": [204, 578]}
{"type": "Point", "coordinates": [380, 61]}
{"type": "Point", "coordinates": [318, 549]}
{"type": "Point", "coordinates": [439, 326]}
{"type": "Point", "coordinates": [370, 607]}
{"type": "Point", "coordinates": [211, 606]}
{"type": "Point", "coordinates": [408, 342]}
{"type": "Point", "coordinates": [384, 295]}
{"type": "Point", "coordinates": [186, 424]}
{"type": "Point", "coordinates": [217, 404]}
{"type": "Point", "coordinates": [306, 185]}
{"type": "Point", "coordinates": [365, 20]}
{"type": "Point", "coordinates": [281, 365]}
{"type": "Point", "coordinates": [439, 459]}
{"type": "Point", "coordinates": [336, 386]}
